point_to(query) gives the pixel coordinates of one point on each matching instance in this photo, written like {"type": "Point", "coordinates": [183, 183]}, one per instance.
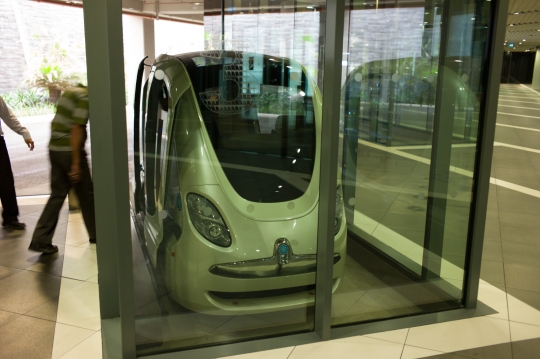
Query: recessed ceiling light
{"type": "Point", "coordinates": [511, 24]}
{"type": "Point", "coordinates": [516, 13]}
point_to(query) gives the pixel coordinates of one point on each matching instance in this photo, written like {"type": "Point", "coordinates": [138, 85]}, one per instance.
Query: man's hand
{"type": "Point", "coordinates": [76, 172]}
{"type": "Point", "coordinates": [30, 144]}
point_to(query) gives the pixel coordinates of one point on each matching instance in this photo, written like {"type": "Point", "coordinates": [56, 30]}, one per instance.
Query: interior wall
{"type": "Point", "coordinates": [518, 67]}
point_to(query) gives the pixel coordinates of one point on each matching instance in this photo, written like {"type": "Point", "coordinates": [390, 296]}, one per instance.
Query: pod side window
{"type": "Point", "coordinates": [157, 114]}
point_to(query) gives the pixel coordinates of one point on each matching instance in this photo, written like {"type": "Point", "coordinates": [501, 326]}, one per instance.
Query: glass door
{"type": "Point", "coordinates": [227, 187]}
{"type": "Point", "coordinates": [410, 116]}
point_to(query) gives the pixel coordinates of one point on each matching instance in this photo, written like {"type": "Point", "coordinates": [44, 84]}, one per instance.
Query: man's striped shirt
{"type": "Point", "coordinates": [72, 109]}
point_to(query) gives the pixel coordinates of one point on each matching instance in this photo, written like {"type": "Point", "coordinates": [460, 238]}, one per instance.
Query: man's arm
{"type": "Point", "coordinates": [76, 141]}
{"type": "Point", "coordinates": [11, 121]}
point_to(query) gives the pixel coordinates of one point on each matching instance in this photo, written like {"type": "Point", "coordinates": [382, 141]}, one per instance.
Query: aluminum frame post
{"type": "Point", "coordinates": [490, 99]}
{"type": "Point", "coordinates": [105, 67]}
{"type": "Point", "coordinates": [441, 152]}
{"type": "Point", "coordinates": [335, 13]}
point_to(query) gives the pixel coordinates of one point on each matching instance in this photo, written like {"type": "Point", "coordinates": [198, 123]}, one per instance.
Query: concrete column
{"type": "Point", "coordinates": [106, 94]}
{"type": "Point", "coordinates": [536, 73]}
{"type": "Point", "coordinates": [149, 43]}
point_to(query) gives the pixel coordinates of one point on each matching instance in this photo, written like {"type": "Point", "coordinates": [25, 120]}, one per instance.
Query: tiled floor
{"type": "Point", "coordinates": [49, 306]}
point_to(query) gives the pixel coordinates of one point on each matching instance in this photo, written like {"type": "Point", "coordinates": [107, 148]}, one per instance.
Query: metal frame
{"type": "Point", "coordinates": [103, 32]}
{"type": "Point", "coordinates": [105, 67]}
{"type": "Point", "coordinates": [441, 150]}
{"type": "Point", "coordinates": [490, 101]}
{"type": "Point", "coordinates": [336, 333]}
{"type": "Point", "coordinates": [335, 13]}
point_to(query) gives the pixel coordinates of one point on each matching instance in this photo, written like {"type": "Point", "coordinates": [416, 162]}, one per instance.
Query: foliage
{"type": "Point", "coordinates": [52, 76]}
{"type": "Point", "coordinates": [53, 70]}
{"type": "Point", "coordinates": [279, 103]}
{"type": "Point", "coordinates": [28, 103]}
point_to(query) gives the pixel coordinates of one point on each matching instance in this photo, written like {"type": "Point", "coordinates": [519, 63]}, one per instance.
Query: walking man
{"type": "Point", "coordinates": [69, 167]}
{"type": "Point", "coordinates": [10, 209]}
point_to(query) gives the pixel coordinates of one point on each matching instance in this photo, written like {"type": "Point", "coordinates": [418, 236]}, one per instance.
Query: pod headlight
{"type": "Point", "coordinates": [339, 211]}
{"type": "Point", "coordinates": [208, 221]}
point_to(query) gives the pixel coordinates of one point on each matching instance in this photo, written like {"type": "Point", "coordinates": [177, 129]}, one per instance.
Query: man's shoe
{"type": "Point", "coordinates": [43, 248]}
{"type": "Point", "coordinates": [92, 240]}
{"type": "Point", "coordinates": [14, 224]}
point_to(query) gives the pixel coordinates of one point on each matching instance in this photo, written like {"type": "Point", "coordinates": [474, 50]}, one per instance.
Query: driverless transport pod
{"type": "Point", "coordinates": [227, 162]}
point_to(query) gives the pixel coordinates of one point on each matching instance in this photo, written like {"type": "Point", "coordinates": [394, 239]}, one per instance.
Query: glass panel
{"type": "Point", "coordinates": [410, 123]}
{"type": "Point", "coordinates": [226, 180]}
{"type": "Point", "coordinates": [273, 136]}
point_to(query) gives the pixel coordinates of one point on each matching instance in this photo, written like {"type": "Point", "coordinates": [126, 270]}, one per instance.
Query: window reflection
{"type": "Point", "coordinates": [410, 106]}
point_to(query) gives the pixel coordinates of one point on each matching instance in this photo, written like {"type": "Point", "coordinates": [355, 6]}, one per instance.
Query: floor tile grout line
{"type": "Point", "coordinates": [519, 101]}
{"type": "Point", "coordinates": [76, 326]}
{"type": "Point", "coordinates": [29, 270]}
{"type": "Point", "coordinates": [9, 321]}
{"type": "Point", "coordinates": [293, 349]}
{"type": "Point", "coordinates": [416, 346]}
{"type": "Point", "coordinates": [517, 115]}
{"type": "Point", "coordinates": [405, 342]}
{"type": "Point", "coordinates": [70, 350]}
{"type": "Point", "coordinates": [521, 107]}
{"type": "Point", "coordinates": [519, 127]}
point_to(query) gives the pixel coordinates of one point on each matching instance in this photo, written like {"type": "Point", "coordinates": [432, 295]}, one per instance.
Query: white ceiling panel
{"type": "Point", "coordinates": [523, 25]}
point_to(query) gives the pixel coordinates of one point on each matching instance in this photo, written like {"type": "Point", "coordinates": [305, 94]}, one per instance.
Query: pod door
{"type": "Point", "coordinates": [155, 143]}
{"type": "Point", "coordinates": [138, 197]}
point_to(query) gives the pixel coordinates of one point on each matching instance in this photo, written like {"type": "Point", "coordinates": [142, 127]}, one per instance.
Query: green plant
{"type": "Point", "coordinates": [52, 77]}
{"type": "Point", "coordinates": [28, 103]}
{"type": "Point", "coordinates": [53, 71]}
{"type": "Point", "coordinates": [279, 103]}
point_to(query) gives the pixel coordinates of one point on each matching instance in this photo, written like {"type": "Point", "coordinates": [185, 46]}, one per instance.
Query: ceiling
{"type": "Point", "coordinates": [523, 25]}
{"type": "Point", "coordinates": [522, 28]}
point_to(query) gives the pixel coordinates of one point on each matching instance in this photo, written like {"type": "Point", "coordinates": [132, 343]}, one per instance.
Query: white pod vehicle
{"type": "Point", "coordinates": [226, 180]}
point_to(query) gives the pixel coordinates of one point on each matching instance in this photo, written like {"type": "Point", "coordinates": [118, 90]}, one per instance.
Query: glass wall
{"type": "Point", "coordinates": [410, 115]}
{"type": "Point", "coordinates": [226, 181]}
{"type": "Point", "coordinates": [225, 168]}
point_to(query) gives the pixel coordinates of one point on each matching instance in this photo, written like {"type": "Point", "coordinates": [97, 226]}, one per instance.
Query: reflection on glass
{"type": "Point", "coordinates": [410, 106]}
{"type": "Point", "coordinates": [226, 194]}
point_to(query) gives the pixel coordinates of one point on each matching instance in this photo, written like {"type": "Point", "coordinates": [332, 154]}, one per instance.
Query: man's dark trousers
{"type": "Point", "coordinates": [60, 185]}
{"type": "Point", "coordinates": [7, 185]}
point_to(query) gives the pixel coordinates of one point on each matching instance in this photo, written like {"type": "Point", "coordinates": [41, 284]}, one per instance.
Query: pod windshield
{"type": "Point", "coordinates": [258, 112]}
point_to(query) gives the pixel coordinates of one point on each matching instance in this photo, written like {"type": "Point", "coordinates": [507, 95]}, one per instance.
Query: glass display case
{"type": "Point", "coordinates": [283, 185]}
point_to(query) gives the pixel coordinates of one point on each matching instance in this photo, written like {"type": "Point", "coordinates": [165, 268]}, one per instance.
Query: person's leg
{"type": "Point", "coordinates": [8, 197]}
{"type": "Point", "coordinates": [60, 184]}
{"type": "Point", "coordinates": [85, 193]}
